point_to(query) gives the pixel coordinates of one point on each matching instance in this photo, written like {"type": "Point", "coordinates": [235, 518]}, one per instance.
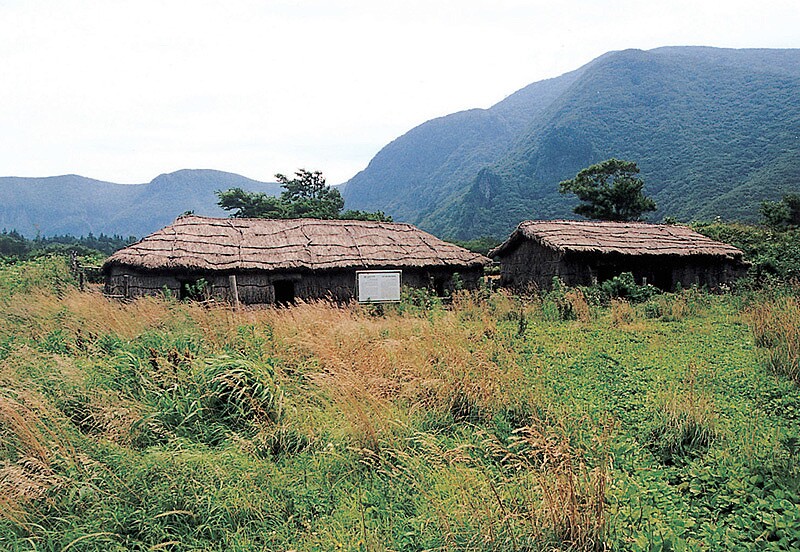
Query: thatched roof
{"type": "Point", "coordinates": [204, 243]}
{"type": "Point", "coordinates": [625, 238]}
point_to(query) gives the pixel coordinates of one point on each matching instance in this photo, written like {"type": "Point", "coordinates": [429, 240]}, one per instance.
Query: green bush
{"type": "Point", "coordinates": [774, 253]}
{"type": "Point", "coordinates": [556, 304]}
{"type": "Point", "coordinates": [418, 300]}
{"type": "Point", "coordinates": [625, 287]}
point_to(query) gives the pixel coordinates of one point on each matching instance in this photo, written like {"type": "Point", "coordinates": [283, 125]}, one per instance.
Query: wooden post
{"type": "Point", "coordinates": [127, 290]}
{"type": "Point", "coordinates": [234, 291]}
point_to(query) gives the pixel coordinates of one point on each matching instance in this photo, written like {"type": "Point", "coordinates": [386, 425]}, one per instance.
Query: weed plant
{"type": "Point", "coordinates": [776, 327]}
{"type": "Point", "coordinates": [497, 422]}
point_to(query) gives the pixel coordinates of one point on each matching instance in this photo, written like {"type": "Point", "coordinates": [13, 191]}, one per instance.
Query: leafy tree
{"type": "Point", "coordinates": [354, 214]}
{"type": "Point", "coordinates": [304, 196]}
{"type": "Point", "coordinates": [250, 204]}
{"type": "Point", "coordinates": [12, 244]}
{"type": "Point", "coordinates": [307, 196]}
{"type": "Point", "coordinates": [782, 214]}
{"type": "Point", "coordinates": [480, 245]}
{"type": "Point", "coordinates": [609, 191]}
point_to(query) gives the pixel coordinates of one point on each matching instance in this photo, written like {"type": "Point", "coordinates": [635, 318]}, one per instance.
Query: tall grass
{"type": "Point", "coordinates": [33, 453]}
{"type": "Point", "coordinates": [685, 422]}
{"type": "Point", "coordinates": [775, 324]}
{"type": "Point", "coordinates": [565, 498]}
{"type": "Point", "coordinates": [376, 369]}
{"type": "Point", "coordinates": [284, 383]}
{"type": "Point", "coordinates": [622, 312]}
{"type": "Point", "coordinates": [498, 422]}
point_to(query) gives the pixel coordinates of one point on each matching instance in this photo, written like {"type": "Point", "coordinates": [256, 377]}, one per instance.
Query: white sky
{"type": "Point", "coordinates": [125, 90]}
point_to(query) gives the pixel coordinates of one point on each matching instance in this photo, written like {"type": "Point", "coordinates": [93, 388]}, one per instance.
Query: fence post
{"type": "Point", "coordinates": [234, 291]}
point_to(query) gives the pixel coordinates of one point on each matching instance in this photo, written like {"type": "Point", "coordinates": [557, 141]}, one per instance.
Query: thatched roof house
{"type": "Point", "coordinates": [280, 260]}
{"type": "Point", "coordinates": [585, 252]}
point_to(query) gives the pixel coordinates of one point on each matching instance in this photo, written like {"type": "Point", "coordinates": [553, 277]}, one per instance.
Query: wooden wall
{"type": "Point", "coordinates": [255, 287]}
{"type": "Point", "coordinates": [531, 265]}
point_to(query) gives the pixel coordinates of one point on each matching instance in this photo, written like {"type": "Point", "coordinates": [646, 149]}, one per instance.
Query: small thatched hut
{"type": "Point", "coordinates": [277, 261]}
{"type": "Point", "coordinates": [586, 252]}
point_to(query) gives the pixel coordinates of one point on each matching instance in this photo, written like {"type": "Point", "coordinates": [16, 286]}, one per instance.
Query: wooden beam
{"type": "Point", "coordinates": [234, 291]}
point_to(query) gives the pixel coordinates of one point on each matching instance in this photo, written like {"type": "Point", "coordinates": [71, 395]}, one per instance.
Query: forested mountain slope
{"type": "Point", "coordinates": [714, 132]}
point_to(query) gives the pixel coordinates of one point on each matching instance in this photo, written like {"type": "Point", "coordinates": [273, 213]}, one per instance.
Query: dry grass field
{"type": "Point", "coordinates": [496, 422]}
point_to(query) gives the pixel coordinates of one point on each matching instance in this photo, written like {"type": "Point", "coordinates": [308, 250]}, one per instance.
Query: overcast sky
{"type": "Point", "coordinates": [127, 90]}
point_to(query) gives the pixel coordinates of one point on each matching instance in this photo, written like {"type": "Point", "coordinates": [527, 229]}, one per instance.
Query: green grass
{"type": "Point", "coordinates": [492, 424]}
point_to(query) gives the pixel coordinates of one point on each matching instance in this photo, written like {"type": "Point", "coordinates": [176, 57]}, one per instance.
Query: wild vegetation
{"type": "Point", "coordinates": [773, 252]}
{"type": "Point", "coordinates": [573, 420]}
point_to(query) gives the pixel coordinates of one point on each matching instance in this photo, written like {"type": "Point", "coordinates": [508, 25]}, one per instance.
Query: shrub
{"type": "Point", "coordinates": [418, 300]}
{"type": "Point", "coordinates": [625, 287]}
{"type": "Point", "coordinates": [559, 302]}
{"type": "Point", "coordinates": [621, 312]}
{"type": "Point", "coordinates": [653, 309]}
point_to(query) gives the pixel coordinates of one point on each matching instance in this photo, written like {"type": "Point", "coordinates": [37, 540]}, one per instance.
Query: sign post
{"type": "Point", "coordinates": [378, 286]}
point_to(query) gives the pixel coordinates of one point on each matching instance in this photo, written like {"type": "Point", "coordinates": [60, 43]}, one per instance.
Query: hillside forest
{"type": "Point", "coordinates": [714, 131]}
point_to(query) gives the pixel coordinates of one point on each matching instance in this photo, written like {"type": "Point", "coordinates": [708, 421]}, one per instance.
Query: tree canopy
{"type": "Point", "coordinates": [15, 246]}
{"type": "Point", "coordinates": [609, 190]}
{"type": "Point", "coordinates": [304, 196]}
{"type": "Point", "coordinates": [782, 214]}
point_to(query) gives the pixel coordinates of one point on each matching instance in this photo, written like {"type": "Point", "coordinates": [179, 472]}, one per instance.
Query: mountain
{"type": "Point", "coordinates": [714, 131]}
{"type": "Point", "coordinates": [77, 205]}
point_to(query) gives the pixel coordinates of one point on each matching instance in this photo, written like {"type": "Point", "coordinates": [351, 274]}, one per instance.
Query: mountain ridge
{"type": "Point", "coordinates": [702, 123]}
{"type": "Point", "coordinates": [78, 205]}
{"type": "Point", "coordinates": [713, 130]}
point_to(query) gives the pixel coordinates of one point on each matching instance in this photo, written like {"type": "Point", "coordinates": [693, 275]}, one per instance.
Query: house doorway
{"type": "Point", "coordinates": [439, 285]}
{"type": "Point", "coordinates": [284, 292]}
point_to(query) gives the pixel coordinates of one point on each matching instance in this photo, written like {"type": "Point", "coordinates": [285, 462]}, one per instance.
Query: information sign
{"type": "Point", "coordinates": [378, 286]}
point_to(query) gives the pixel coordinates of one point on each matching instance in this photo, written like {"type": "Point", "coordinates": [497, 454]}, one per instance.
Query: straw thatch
{"type": "Point", "coordinates": [213, 244]}
{"type": "Point", "coordinates": [625, 238]}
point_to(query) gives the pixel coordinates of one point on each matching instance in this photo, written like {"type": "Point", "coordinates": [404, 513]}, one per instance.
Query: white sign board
{"type": "Point", "coordinates": [378, 286]}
